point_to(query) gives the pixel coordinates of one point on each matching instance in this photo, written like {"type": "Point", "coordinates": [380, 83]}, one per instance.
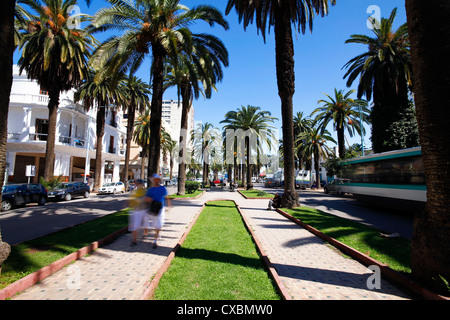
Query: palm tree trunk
{"type": "Point", "coordinates": [341, 142]}
{"type": "Point", "coordinates": [156, 110]}
{"type": "Point", "coordinates": [130, 126]}
{"type": "Point", "coordinates": [51, 136]}
{"type": "Point", "coordinates": [429, 33]}
{"type": "Point", "coordinates": [101, 112]}
{"type": "Point", "coordinates": [6, 77]}
{"type": "Point", "coordinates": [284, 48]}
{"type": "Point", "coordinates": [185, 90]}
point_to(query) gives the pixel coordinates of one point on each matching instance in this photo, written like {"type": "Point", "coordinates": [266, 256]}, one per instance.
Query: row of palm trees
{"type": "Point", "coordinates": [61, 56]}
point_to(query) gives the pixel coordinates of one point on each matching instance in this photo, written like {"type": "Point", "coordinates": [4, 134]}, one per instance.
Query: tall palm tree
{"type": "Point", "coordinates": [202, 66]}
{"type": "Point", "coordinates": [429, 33]}
{"type": "Point", "coordinates": [56, 56]}
{"type": "Point", "coordinates": [137, 100]}
{"type": "Point", "coordinates": [385, 73]}
{"type": "Point", "coordinates": [314, 144]}
{"type": "Point", "coordinates": [345, 114]}
{"type": "Point", "coordinates": [157, 25]}
{"type": "Point", "coordinates": [100, 92]}
{"type": "Point", "coordinates": [282, 14]}
{"type": "Point", "coordinates": [254, 121]}
{"type": "Point", "coordinates": [7, 47]}
{"type": "Point", "coordinates": [6, 77]}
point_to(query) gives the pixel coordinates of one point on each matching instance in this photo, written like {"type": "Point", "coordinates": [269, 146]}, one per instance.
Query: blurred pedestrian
{"type": "Point", "coordinates": [157, 197]}
{"type": "Point", "coordinates": [139, 217]}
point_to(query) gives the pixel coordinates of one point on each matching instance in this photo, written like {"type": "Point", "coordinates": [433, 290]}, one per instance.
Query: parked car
{"type": "Point", "coordinates": [336, 186]}
{"type": "Point", "coordinates": [68, 190]}
{"type": "Point", "coordinates": [15, 195]}
{"type": "Point", "coordinates": [112, 187]}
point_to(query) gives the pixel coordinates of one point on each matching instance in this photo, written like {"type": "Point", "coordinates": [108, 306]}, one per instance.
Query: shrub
{"type": "Point", "coordinates": [192, 186]}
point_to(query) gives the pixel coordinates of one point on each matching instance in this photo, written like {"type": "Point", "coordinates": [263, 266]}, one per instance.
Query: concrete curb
{"type": "Point", "coordinates": [190, 198]}
{"type": "Point", "coordinates": [150, 290]}
{"type": "Point", "coordinates": [253, 197]}
{"type": "Point", "coordinates": [366, 260]}
{"type": "Point", "coordinates": [39, 275]}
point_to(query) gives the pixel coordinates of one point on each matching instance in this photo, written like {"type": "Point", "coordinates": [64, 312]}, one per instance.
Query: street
{"type": "Point", "coordinates": [387, 221]}
{"type": "Point", "coordinates": [21, 224]}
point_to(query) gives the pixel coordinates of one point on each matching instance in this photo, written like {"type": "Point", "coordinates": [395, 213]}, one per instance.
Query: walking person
{"type": "Point", "coordinates": [157, 197]}
{"type": "Point", "coordinates": [139, 217]}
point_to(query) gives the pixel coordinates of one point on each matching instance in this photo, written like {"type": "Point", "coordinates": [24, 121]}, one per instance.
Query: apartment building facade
{"type": "Point", "coordinates": [75, 143]}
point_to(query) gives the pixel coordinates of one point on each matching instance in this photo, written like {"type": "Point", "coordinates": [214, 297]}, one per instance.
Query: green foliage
{"type": "Point", "coordinates": [52, 183]}
{"type": "Point", "coordinates": [192, 186]}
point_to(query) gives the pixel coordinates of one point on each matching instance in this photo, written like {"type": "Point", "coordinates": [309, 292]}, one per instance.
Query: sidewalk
{"type": "Point", "coordinates": [308, 268]}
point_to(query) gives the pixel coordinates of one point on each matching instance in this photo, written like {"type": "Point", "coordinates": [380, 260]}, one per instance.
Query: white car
{"type": "Point", "coordinates": [112, 187]}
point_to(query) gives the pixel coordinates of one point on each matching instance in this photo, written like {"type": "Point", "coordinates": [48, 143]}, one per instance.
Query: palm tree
{"type": "Point", "coordinates": [56, 56]}
{"type": "Point", "coordinates": [314, 144]}
{"type": "Point", "coordinates": [7, 47]}
{"type": "Point", "coordinates": [429, 33]}
{"type": "Point", "coordinates": [252, 121]}
{"type": "Point", "coordinates": [301, 124]}
{"type": "Point", "coordinates": [385, 73]}
{"type": "Point", "coordinates": [100, 92]}
{"type": "Point", "coordinates": [345, 114]}
{"type": "Point", "coordinates": [137, 96]}
{"type": "Point", "coordinates": [202, 66]}
{"type": "Point", "coordinates": [6, 77]}
{"type": "Point", "coordinates": [141, 136]}
{"type": "Point", "coordinates": [159, 25]}
{"type": "Point", "coordinates": [281, 14]}
{"type": "Point", "coordinates": [206, 139]}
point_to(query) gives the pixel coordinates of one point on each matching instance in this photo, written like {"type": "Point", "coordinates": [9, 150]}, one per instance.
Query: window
{"type": "Point", "coordinates": [41, 129]}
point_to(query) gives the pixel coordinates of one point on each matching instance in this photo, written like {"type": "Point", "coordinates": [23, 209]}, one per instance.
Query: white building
{"type": "Point", "coordinates": [75, 135]}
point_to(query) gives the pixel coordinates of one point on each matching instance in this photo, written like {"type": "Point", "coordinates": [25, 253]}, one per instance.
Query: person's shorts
{"type": "Point", "coordinates": [158, 221]}
{"type": "Point", "coordinates": [139, 219]}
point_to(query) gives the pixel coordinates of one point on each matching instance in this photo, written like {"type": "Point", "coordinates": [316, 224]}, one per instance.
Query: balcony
{"type": "Point", "coordinates": [26, 98]}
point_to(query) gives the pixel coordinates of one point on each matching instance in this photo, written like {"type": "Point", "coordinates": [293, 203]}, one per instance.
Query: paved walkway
{"type": "Point", "coordinates": [308, 268]}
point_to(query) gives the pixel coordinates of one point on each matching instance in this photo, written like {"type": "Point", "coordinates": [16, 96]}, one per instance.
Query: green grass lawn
{"type": "Point", "coordinates": [33, 255]}
{"type": "Point", "coordinates": [218, 261]}
{"type": "Point", "coordinates": [394, 252]}
{"type": "Point", "coordinates": [256, 194]}
{"type": "Point", "coordinates": [187, 195]}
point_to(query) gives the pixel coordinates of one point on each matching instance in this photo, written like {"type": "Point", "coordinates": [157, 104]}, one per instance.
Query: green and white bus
{"type": "Point", "coordinates": [394, 176]}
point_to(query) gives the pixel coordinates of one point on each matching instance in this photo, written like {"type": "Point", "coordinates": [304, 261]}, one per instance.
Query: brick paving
{"type": "Point", "coordinates": [309, 268]}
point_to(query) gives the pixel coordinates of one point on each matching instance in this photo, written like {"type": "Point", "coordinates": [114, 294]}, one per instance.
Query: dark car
{"type": "Point", "coordinates": [336, 186]}
{"type": "Point", "coordinates": [68, 190]}
{"type": "Point", "coordinates": [15, 195]}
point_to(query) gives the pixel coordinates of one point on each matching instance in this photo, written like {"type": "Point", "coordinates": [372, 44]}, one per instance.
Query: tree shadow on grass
{"type": "Point", "coordinates": [222, 257]}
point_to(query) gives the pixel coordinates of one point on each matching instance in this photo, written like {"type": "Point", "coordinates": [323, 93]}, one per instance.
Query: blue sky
{"type": "Point", "coordinates": [251, 77]}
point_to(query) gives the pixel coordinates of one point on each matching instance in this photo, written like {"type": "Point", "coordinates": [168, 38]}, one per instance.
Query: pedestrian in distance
{"type": "Point", "coordinates": [156, 197]}
{"type": "Point", "coordinates": [275, 202]}
{"type": "Point", "coordinates": [139, 217]}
